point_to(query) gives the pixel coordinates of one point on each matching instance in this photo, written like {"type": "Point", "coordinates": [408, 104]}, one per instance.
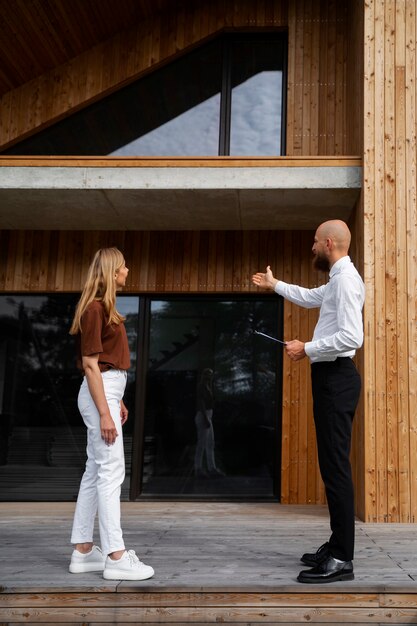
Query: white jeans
{"type": "Point", "coordinates": [104, 471]}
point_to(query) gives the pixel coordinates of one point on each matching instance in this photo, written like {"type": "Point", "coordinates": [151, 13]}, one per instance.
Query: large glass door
{"type": "Point", "coordinates": [211, 413]}
{"type": "Point", "coordinates": [204, 398]}
{"type": "Point", "coordinates": [42, 435]}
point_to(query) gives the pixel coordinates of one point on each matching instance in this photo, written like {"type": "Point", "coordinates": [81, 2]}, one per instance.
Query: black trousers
{"type": "Point", "coordinates": [336, 388]}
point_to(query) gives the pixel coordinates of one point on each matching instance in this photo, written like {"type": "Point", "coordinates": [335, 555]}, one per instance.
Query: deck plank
{"type": "Point", "coordinates": [215, 562]}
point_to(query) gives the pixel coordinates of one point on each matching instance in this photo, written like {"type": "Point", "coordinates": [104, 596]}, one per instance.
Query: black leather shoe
{"type": "Point", "coordinates": [314, 558]}
{"type": "Point", "coordinates": [328, 571]}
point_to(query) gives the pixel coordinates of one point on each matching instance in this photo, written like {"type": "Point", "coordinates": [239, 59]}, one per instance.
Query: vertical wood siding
{"type": "Point", "coordinates": [317, 53]}
{"type": "Point", "coordinates": [191, 262]}
{"type": "Point", "coordinates": [318, 123]}
{"type": "Point", "coordinates": [325, 115]}
{"type": "Point", "coordinates": [390, 264]}
{"type": "Point", "coordinates": [354, 104]}
{"type": "Point", "coordinates": [317, 70]}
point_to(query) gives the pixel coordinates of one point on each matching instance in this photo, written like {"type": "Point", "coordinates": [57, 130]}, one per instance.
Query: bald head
{"type": "Point", "coordinates": [338, 232]}
{"type": "Point", "coordinates": [331, 242]}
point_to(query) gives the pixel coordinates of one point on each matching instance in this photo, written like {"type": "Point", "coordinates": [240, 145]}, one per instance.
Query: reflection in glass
{"type": "Point", "coordinates": [173, 111]}
{"type": "Point", "coordinates": [182, 109]}
{"type": "Point", "coordinates": [256, 109]}
{"type": "Point", "coordinates": [179, 136]}
{"type": "Point", "coordinates": [42, 437]}
{"type": "Point", "coordinates": [240, 450]}
{"type": "Point", "coordinates": [204, 450]}
{"type": "Point", "coordinates": [256, 116]}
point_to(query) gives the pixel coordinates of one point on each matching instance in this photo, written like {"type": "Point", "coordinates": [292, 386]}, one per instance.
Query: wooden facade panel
{"type": "Point", "coordinates": [317, 70]}
{"type": "Point", "coordinates": [351, 90]}
{"type": "Point", "coordinates": [358, 451]}
{"type": "Point", "coordinates": [37, 36]}
{"type": "Point", "coordinates": [192, 262]}
{"type": "Point", "coordinates": [390, 226]}
{"type": "Point", "coordinates": [353, 100]}
{"type": "Point", "coordinates": [317, 56]}
{"type": "Point", "coordinates": [410, 182]}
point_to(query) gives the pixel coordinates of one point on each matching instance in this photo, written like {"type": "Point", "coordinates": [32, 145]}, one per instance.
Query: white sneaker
{"type": "Point", "coordinates": [93, 561]}
{"type": "Point", "coordinates": [128, 567]}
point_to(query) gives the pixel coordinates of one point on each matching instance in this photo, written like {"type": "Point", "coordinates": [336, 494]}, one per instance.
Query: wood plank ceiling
{"type": "Point", "coordinates": [38, 35]}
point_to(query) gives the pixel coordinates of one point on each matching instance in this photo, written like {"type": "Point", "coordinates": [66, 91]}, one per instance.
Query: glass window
{"type": "Point", "coordinates": [179, 108]}
{"type": "Point", "coordinates": [256, 98]}
{"type": "Point", "coordinates": [226, 97]}
{"type": "Point", "coordinates": [42, 437]}
{"type": "Point", "coordinates": [173, 111]}
{"type": "Point", "coordinates": [213, 407]}
{"type": "Point", "coordinates": [210, 395]}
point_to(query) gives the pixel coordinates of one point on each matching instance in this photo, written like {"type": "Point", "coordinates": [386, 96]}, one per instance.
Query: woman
{"type": "Point", "coordinates": [204, 426]}
{"type": "Point", "coordinates": [103, 355]}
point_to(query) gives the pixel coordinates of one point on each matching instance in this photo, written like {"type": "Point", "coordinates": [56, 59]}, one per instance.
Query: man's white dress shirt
{"type": "Point", "coordinates": [339, 330]}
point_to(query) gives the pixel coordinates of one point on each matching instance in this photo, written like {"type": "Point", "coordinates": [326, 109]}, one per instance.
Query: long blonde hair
{"type": "Point", "coordinates": [100, 285]}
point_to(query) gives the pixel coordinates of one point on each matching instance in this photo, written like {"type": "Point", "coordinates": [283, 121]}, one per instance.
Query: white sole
{"type": "Point", "coordinates": [84, 569]}
{"type": "Point", "coordinates": [113, 574]}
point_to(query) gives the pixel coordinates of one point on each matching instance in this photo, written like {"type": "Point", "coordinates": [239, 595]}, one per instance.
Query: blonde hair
{"type": "Point", "coordinates": [100, 285]}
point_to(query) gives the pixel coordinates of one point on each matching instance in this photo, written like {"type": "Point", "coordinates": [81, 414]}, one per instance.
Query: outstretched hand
{"type": "Point", "coordinates": [265, 280]}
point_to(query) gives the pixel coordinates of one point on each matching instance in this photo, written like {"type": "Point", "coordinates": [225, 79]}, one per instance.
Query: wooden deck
{"type": "Point", "coordinates": [215, 563]}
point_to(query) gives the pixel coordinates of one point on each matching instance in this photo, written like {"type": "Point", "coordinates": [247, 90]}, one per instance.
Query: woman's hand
{"type": "Point", "coordinates": [96, 388]}
{"type": "Point", "coordinates": [123, 412]}
{"type": "Point", "coordinates": [108, 429]}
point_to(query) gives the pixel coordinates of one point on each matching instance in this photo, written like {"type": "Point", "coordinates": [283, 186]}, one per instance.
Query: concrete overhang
{"type": "Point", "coordinates": [175, 194]}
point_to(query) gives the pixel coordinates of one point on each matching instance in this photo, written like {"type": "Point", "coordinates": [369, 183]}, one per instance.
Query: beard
{"type": "Point", "coordinates": [321, 263]}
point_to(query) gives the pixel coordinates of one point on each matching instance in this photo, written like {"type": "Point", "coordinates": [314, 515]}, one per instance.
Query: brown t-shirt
{"type": "Point", "coordinates": [109, 341]}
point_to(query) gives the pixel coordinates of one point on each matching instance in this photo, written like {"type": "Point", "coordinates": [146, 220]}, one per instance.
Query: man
{"type": "Point", "coordinates": [336, 387]}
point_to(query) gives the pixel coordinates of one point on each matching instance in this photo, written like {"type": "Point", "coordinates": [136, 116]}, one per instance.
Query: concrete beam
{"type": "Point", "coordinates": [175, 198]}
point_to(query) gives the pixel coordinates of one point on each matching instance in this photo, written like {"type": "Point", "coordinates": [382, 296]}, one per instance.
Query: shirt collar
{"type": "Point", "coordinates": [342, 262]}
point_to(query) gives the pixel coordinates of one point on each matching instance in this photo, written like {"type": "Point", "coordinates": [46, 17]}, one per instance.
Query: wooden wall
{"type": "Point", "coordinates": [355, 145]}
{"type": "Point", "coordinates": [38, 36]}
{"type": "Point", "coordinates": [390, 263]}
{"type": "Point", "coordinates": [191, 262]}
{"type": "Point", "coordinates": [318, 123]}
{"type": "Point", "coordinates": [124, 57]}
{"type": "Point", "coordinates": [325, 115]}
{"type": "Point", "coordinates": [317, 70]}
{"type": "Point", "coordinates": [354, 79]}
